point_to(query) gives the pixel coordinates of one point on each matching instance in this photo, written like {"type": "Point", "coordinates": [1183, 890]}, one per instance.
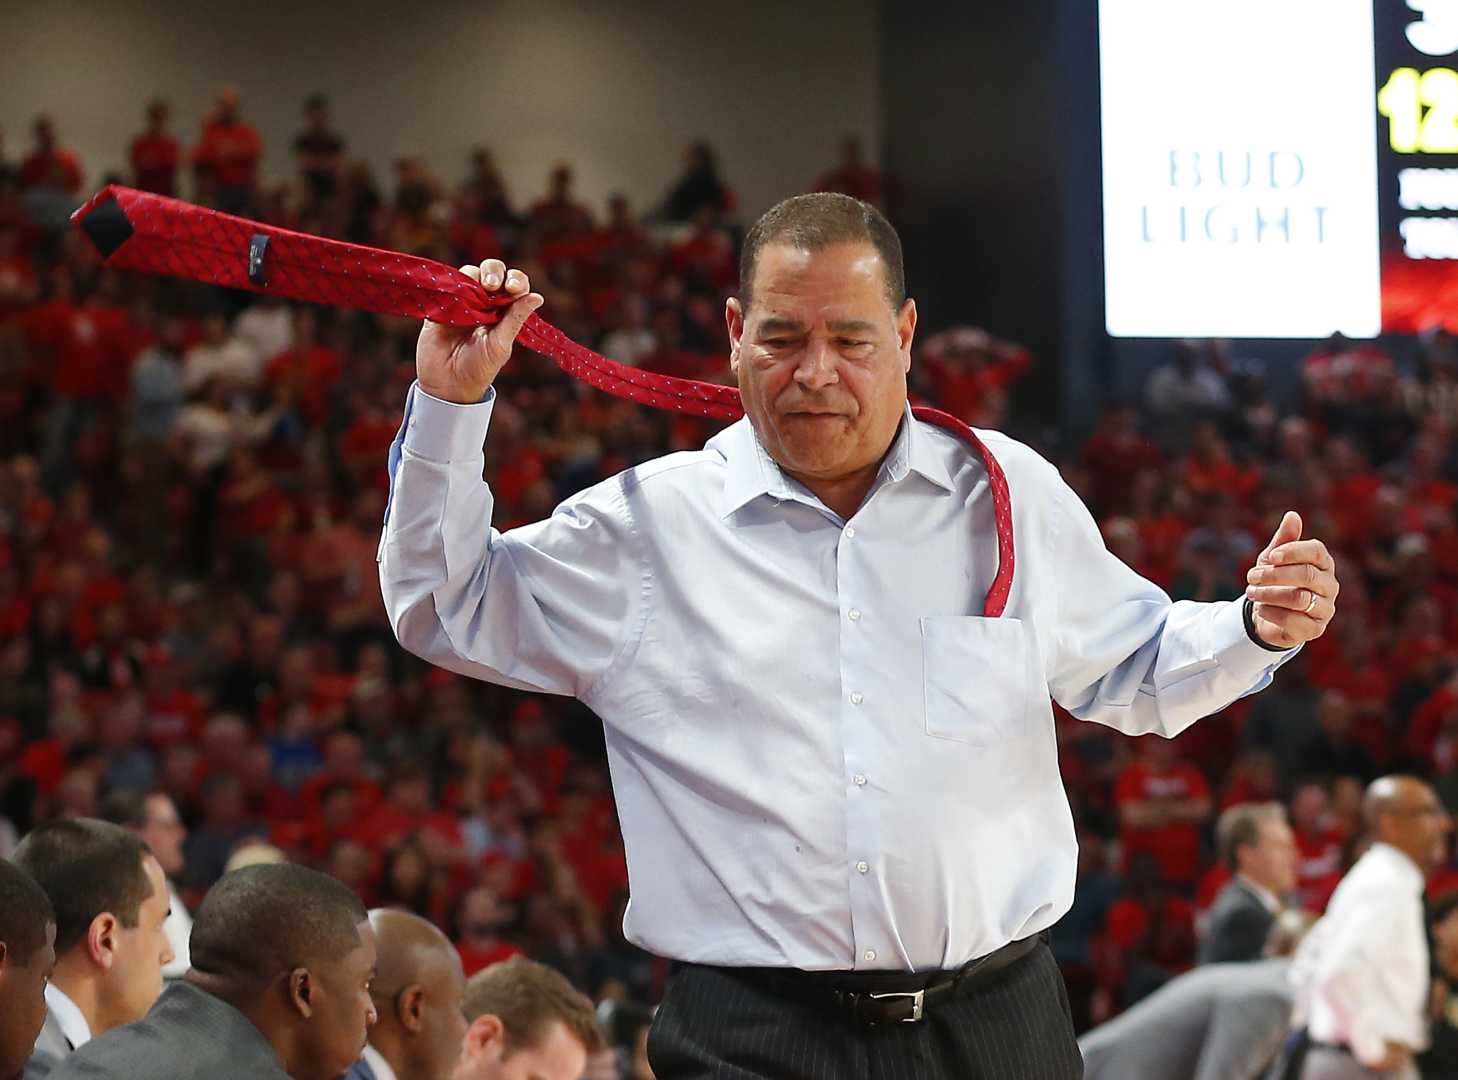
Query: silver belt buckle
{"type": "Point", "coordinates": [918, 1004]}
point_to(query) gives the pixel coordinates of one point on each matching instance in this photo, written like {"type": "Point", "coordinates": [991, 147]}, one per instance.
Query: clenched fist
{"type": "Point", "coordinates": [458, 364]}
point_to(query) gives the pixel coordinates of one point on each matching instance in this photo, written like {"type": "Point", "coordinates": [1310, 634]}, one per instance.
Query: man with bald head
{"type": "Point", "coordinates": [1362, 974]}
{"type": "Point", "coordinates": [419, 992]}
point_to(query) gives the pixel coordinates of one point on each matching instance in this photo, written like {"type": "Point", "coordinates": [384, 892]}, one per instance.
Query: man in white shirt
{"type": "Point", "coordinates": [832, 745]}
{"type": "Point", "coordinates": [1362, 974]}
{"type": "Point", "coordinates": [111, 902]}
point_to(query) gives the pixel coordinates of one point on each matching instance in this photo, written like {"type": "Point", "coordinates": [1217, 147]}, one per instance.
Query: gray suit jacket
{"type": "Point", "coordinates": [188, 1035]}
{"type": "Point", "coordinates": [1238, 926]}
{"type": "Point", "coordinates": [51, 1048]}
{"type": "Point", "coordinates": [1220, 1022]}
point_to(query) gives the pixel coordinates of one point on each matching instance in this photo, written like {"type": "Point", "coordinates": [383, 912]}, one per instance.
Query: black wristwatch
{"type": "Point", "coordinates": [1247, 613]}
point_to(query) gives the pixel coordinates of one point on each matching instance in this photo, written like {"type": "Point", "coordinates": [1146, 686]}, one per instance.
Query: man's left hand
{"type": "Point", "coordinates": [1294, 587]}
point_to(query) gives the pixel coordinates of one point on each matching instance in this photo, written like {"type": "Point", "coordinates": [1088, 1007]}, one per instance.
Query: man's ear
{"type": "Point", "coordinates": [485, 1039]}
{"type": "Point", "coordinates": [410, 1008]}
{"type": "Point", "coordinates": [4, 958]}
{"type": "Point", "coordinates": [300, 988]}
{"type": "Point", "coordinates": [101, 940]}
{"type": "Point", "coordinates": [906, 331]}
{"type": "Point", "coordinates": [734, 322]}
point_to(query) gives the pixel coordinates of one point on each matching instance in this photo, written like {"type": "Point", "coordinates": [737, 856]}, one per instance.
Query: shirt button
{"type": "Point", "coordinates": [857, 697]}
{"type": "Point", "coordinates": [854, 614]}
{"type": "Point", "coordinates": [863, 866]}
{"type": "Point", "coordinates": [859, 780]}
{"type": "Point", "coordinates": [850, 532]}
{"type": "Point", "coordinates": [870, 954]}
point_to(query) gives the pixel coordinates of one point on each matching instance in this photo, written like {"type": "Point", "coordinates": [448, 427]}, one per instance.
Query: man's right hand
{"type": "Point", "coordinates": [458, 364]}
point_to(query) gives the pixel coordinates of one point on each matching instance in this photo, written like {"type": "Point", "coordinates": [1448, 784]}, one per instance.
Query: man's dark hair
{"type": "Point", "coordinates": [87, 868]}
{"type": "Point", "coordinates": [1241, 826]}
{"type": "Point", "coordinates": [818, 221]}
{"type": "Point", "coordinates": [25, 909]}
{"type": "Point", "coordinates": [262, 921]}
{"type": "Point", "coordinates": [125, 807]}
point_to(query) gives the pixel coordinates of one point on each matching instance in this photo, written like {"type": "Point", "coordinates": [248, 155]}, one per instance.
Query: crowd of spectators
{"type": "Point", "coordinates": [192, 485]}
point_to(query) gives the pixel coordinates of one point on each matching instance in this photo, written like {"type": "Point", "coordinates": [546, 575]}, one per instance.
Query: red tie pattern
{"type": "Point", "coordinates": [136, 230]}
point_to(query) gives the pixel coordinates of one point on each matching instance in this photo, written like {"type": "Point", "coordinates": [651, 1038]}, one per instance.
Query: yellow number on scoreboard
{"type": "Point", "coordinates": [1421, 110]}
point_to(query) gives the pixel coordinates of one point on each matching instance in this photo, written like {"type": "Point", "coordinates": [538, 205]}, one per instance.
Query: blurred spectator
{"type": "Point", "coordinates": [50, 166]}
{"type": "Point", "coordinates": [559, 216]}
{"type": "Point", "coordinates": [526, 1020]}
{"type": "Point", "coordinates": [1184, 390]}
{"type": "Point", "coordinates": [27, 955]}
{"type": "Point", "coordinates": [153, 817]}
{"type": "Point", "coordinates": [110, 898]}
{"type": "Point", "coordinates": [318, 149]}
{"type": "Point", "coordinates": [698, 187]}
{"type": "Point", "coordinates": [1441, 1058]}
{"type": "Point", "coordinates": [1162, 802]}
{"type": "Point", "coordinates": [479, 920]}
{"type": "Point", "coordinates": [225, 160]}
{"type": "Point", "coordinates": [155, 153]}
{"type": "Point", "coordinates": [419, 991]}
{"type": "Point", "coordinates": [853, 175]}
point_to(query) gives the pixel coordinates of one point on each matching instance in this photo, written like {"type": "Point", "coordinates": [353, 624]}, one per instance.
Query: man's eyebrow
{"type": "Point", "coordinates": [777, 324]}
{"type": "Point", "coordinates": [852, 326]}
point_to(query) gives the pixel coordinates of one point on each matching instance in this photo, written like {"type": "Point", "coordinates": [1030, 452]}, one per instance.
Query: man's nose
{"type": "Point", "coordinates": [817, 367]}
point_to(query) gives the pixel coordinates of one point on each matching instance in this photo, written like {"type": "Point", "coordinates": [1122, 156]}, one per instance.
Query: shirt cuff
{"type": "Point", "coordinates": [1234, 649]}
{"type": "Point", "coordinates": [442, 431]}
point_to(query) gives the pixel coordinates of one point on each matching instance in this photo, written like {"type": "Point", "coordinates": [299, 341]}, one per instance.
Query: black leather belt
{"type": "Point", "coordinates": [887, 997]}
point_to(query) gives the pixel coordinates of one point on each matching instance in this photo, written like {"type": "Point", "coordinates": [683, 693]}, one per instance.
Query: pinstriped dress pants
{"type": "Point", "coordinates": [715, 1025]}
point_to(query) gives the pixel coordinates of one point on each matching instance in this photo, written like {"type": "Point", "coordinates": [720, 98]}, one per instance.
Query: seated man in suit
{"type": "Point", "coordinates": [282, 958]}
{"type": "Point", "coordinates": [1257, 844]}
{"type": "Point", "coordinates": [418, 992]}
{"type": "Point", "coordinates": [111, 901]}
{"type": "Point", "coordinates": [27, 955]}
{"type": "Point", "coordinates": [526, 1020]}
{"type": "Point", "coordinates": [1217, 1022]}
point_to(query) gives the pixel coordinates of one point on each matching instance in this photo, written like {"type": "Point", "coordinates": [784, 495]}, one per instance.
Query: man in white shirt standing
{"type": "Point", "coordinates": [110, 898]}
{"type": "Point", "coordinates": [1362, 974]}
{"type": "Point", "coordinates": [832, 745]}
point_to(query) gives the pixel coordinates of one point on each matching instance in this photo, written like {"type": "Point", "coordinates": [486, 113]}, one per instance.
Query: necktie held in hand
{"type": "Point", "coordinates": [136, 230]}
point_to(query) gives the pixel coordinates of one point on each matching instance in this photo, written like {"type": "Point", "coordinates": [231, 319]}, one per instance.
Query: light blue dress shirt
{"type": "Point", "coordinates": [824, 756]}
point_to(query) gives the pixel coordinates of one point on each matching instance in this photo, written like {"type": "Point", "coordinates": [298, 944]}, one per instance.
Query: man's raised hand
{"type": "Point", "coordinates": [458, 364]}
{"type": "Point", "coordinates": [1294, 586]}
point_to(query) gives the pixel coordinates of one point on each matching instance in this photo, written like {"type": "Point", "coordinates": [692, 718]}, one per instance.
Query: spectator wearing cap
{"type": "Point", "coordinates": [154, 818]}
{"type": "Point", "coordinates": [110, 898]}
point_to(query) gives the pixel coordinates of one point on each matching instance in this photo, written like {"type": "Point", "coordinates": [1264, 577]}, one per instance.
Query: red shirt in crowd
{"type": "Point", "coordinates": [154, 161]}
{"type": "Point", "coordinates": [230, 152]}
{"type": "Point", "coordinates": [1319, 867]}
{"type": "Point", "coordinates": [56, 167]}
{"type": "Point", "coordinates": [1175, 846]}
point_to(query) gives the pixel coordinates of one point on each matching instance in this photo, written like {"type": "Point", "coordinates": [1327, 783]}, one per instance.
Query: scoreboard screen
{"type": "Point", "coordinates": [1279, 168]}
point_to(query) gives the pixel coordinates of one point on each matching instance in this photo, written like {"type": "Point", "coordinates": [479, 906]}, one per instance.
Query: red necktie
{"type": "Point", "coordinates": [135, 230]}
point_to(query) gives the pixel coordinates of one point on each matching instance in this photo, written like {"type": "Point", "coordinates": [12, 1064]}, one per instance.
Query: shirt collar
{"type": "Point", "coordinates": [377, 1063]}
{"type": "Point", "coordinates": [1268, 899]}
{"type": "Point", "coordinates": [1400, 864]}
{"type": "Point", "coordinates": [69, 1016]}
{"type": "Point", "coordinates": [750, 472]}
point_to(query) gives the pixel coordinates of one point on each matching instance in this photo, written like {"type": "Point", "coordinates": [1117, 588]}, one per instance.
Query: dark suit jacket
{"type": "Point", "coordinates": [188, 1035]}
{"type": "Point", "coordinates": [1239, 923]}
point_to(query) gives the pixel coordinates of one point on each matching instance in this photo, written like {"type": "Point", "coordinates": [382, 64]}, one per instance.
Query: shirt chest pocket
{"type": "Point", "coordinates": [980, 678]}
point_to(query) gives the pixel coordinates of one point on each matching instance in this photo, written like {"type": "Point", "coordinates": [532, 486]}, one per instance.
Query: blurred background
{"type": "Point", "coordinates": [1210, 283]}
